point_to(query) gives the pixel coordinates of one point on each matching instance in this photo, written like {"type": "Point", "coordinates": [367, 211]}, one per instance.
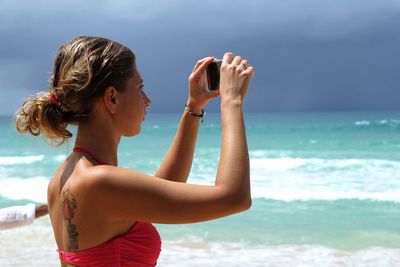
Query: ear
{"type": "Point", "coordinates": [110, 98]}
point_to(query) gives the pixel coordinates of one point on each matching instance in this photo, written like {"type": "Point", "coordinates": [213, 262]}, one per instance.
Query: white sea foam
{"type": "Point", "coordinates": [318, 164]}
{"type": "Point", "coordinates": [390, 122]}
{"type": "Point", "coordinates": [257, 153]}
{"type": "Point", "coordinates": [60, 157]}
{"type": "Point", "coordinates": [16, 160]}
{"type": "Point", "coordinates": [382, 123]}
{"type": "Point", "coordinates": [34, 188]}
{"type": "Point", "coordinates": [325, 179]}
{"type": "Point", "coordinates": [288, 194]}
{"type": "Point", "coordinates": [290, 179]}
{"type": "Point", "coordinates": [281, 178]}
{"type": "Point", "coordinates": [362, 123]}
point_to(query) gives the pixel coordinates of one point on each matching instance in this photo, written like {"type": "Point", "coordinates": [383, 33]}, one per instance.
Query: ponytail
{"type": "Point", "coordinates": [39, 115]}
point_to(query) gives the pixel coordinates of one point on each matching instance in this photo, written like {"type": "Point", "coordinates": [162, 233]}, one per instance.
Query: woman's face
{"type": "Point", "coordinates": [134, 102]}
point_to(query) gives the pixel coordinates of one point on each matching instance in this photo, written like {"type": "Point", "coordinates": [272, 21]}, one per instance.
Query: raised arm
{"type": "Point", "coordinates": [178, 160]}
{"type": "Point", "coordinates": [127, 195]}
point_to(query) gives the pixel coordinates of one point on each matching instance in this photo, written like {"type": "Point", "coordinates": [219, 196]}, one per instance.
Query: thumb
{"type": "Point", "coordinates": [212, 94]}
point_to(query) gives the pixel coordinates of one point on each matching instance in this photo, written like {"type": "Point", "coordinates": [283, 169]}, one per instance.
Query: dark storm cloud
{"type": "Point", "coordinates": [309, 55]}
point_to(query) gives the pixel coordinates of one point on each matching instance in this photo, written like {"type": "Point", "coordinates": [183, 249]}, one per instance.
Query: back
{"type": "Point", "coordinates": [78, 223]}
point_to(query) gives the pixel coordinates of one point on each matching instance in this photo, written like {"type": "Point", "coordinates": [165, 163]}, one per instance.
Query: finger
{"type": "Point", "coordinates": [202, 67]}
{"type": "Point", "coordinates": [237, 60]}
{"type": "Point", "coordinates": [249, 71]}
{"type": "Point", "coordinates": [227, 59]}
{"type": "Point", "coordinates": [199, 62]}
{"type": "Point", "coordinates": [241, 66]}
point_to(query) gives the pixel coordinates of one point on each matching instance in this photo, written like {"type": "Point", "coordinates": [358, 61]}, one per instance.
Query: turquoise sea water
{"type": "Point", "coordinates": [324, 186]}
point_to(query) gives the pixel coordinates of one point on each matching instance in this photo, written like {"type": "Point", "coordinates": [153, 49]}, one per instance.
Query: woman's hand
{"type": "Point", "coordinates": [235, 77]}
{"type": "Point", "coordinates": [199, 95]}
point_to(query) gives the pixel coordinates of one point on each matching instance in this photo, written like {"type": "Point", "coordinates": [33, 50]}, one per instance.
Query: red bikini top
{"type": "Point", "coordinates": [140, 247]}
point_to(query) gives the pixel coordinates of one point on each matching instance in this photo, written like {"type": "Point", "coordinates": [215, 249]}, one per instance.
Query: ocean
{"type": "Point", "coordinates": [325, 188]}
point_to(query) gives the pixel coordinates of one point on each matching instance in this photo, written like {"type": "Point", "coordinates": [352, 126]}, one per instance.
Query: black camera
{"type": "Point", "coordinates": [213, 76]}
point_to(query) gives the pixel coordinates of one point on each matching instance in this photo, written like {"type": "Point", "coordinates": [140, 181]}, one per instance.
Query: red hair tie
{"type": "Point", "coordinates": [54, 100]}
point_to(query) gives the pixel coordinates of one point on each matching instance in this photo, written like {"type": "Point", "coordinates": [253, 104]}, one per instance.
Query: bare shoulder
{"type": "Point", "coordinates": [53, 188]}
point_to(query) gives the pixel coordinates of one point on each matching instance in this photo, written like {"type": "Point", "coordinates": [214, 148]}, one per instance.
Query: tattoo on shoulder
{"type": "Point", "coordinates": [68, 208]}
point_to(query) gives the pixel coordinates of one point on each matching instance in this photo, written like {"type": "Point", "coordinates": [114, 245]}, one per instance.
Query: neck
{"type": "Point", "coordinates": [99, 139]}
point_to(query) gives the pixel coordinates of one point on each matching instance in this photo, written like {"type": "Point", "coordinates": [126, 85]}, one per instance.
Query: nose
{"type": "Point", "coordinates": [147, 101]}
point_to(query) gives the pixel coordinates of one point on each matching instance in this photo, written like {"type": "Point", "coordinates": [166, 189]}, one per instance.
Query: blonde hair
{"type": "Point", "coordinates": [83, 69]}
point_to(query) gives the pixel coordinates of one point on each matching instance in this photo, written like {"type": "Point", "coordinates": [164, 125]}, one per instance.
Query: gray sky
{"type": "Point", "coordinates": [309, 55]}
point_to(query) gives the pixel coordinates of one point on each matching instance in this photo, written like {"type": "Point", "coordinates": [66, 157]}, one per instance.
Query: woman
{"type": "Point", "coordinates": [101, 214]}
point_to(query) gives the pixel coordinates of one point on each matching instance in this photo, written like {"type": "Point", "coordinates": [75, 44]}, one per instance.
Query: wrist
{"type": "Point", "coordinates": [194, 106]}
{"type": "Point", "coordinates": [199, 115]}
{"type": "Point", "coordinates": [231, 103]}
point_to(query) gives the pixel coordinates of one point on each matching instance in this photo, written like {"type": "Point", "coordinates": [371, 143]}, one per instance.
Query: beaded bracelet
{"type": "Point", "coordinates": [199, 115]}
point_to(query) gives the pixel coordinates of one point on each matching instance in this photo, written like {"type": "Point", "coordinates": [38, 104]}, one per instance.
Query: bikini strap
{"type": "Point", "coordinates": [89, 154]}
